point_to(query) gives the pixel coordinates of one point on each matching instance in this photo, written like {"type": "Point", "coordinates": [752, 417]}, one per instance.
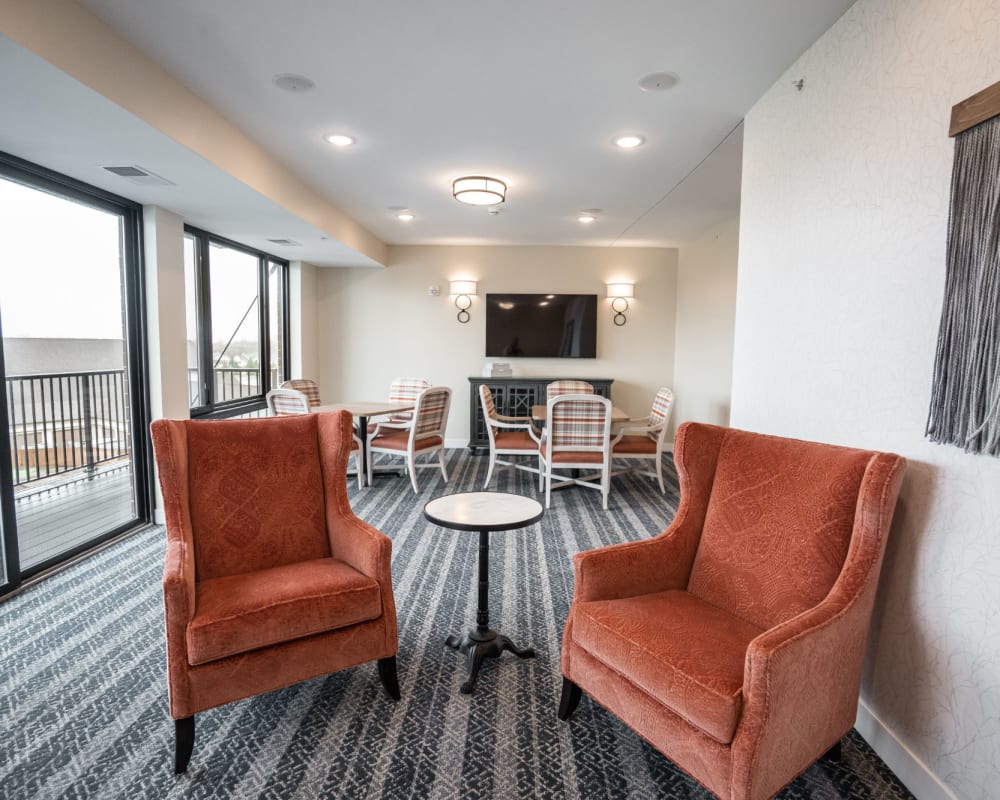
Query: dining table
{"type": "Point", "coordinates": [363, 411]}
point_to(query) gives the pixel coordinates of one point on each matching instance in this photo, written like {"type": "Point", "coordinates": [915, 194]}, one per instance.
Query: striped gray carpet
{"type": "Point", "coordinates": [83, 698]}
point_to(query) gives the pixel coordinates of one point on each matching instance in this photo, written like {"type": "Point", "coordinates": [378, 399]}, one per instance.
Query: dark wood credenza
{"type": "Point", "coordinates": [514, 397]}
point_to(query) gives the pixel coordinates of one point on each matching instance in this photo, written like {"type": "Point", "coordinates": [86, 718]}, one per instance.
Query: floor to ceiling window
{"type": "Point", "coordinates": [74, 457]}
{"type": "Point", "coordinates": [237, 324]}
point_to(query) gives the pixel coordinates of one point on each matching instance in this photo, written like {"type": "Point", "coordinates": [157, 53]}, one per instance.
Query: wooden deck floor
{"type": "Point", "coordinates": [62, 515]}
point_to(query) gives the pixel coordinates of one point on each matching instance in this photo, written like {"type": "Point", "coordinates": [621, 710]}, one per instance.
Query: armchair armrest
{"type": "Point", "coordinates": [663, 562]}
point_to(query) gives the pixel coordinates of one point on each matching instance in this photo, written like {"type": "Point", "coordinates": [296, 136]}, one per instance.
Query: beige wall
{"type": "Point", "coordinates": [303, 321]}
{"type": "Point", "coordinates": [706, 308]}
{"type": "Point", "coordinates": [376, 325]}
{"type": "Point", "coordinates": [841, 275]}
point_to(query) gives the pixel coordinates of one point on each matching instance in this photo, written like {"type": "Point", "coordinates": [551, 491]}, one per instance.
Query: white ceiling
{"type": "Point", "coordinates": [528, 91]}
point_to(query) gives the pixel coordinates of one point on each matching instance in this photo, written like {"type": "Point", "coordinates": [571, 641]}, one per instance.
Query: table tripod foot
{"type": "Point", "coordinates": [507, 644]}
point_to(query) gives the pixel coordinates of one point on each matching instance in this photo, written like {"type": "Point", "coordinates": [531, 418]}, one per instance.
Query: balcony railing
{"type": "Point", "coordinates": [60, 422]}
{"type": "Point", "coordinates": [230, 384]}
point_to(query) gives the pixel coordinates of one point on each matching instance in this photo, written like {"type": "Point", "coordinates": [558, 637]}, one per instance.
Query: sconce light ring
{"type": "Point", "coordinates": [619, 305]}
{"type": "Point", "coordinates": [463, 302]}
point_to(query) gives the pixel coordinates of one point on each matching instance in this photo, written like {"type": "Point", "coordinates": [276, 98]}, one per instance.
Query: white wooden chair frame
{"type": "Point", "coordinates": [603, 470]}
{"type": "Point", "coordinates": [501, 421]}
{"type": "Point", "coordinates": [412, 448]}
{"type": "Point", "coordinates": [660, 430]}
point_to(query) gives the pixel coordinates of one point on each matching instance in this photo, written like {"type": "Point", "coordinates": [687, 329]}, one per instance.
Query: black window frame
{"type": "Point", "coordinates": [211, 408]}
{"type": "Point", "coordinates": [135, 333]}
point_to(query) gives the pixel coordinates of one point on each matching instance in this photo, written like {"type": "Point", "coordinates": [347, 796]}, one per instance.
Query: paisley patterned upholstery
{"type": "Point", "coordinates": [734, 640]}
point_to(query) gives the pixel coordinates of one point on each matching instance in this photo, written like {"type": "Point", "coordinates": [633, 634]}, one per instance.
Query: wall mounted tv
{"type": "Point", "coordinates": [541, 325]}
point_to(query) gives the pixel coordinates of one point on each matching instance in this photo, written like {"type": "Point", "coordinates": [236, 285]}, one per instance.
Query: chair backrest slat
{"type": "Point", "coordinates": [286, 402]}
{"type": "Point", "coordinates": [557, 388]}
{"type": "Point", "coordinates": [309, 388]}
{"type": "Point", "coordinates": [578, 422]}
{"type": "Point", "coordinates": [431, 412]}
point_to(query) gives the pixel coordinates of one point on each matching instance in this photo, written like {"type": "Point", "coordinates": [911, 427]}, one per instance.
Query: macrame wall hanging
{"type": "Point", "coordinates": [965, 397]}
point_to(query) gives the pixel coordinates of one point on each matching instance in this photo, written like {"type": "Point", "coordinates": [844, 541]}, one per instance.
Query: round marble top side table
{"type": "Point", "coordinates": [483, 512]}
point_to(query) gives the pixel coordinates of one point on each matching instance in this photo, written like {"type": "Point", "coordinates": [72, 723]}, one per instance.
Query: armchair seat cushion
{"type": "Point", "coordinates": [515, 440]}
{"type": "Point", "coordinates": [632, 443]}
{"type": "Point", "coordinates": [684, 653]}
{"type": "Point", "coordinates": [239, 613]}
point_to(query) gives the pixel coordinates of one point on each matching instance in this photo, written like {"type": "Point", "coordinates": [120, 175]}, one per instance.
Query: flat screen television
{"type": "Point", "coordinates": [541, 325]}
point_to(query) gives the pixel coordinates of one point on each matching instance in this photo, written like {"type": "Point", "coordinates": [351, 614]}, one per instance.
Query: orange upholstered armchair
{"type": "Point", "coordinates": [733, 641]}
{"type": "Point", "coordinates": [270, 579]}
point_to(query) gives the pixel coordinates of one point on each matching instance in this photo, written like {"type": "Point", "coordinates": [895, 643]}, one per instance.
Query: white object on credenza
{"type": "Point", "coordinates": [497, 369]}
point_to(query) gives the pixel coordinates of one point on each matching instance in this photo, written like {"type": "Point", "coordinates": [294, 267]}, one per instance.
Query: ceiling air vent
{"type": "Point", "coordinates": [139, 176]}
{"type": "Point", "coordinates": [285, 242]}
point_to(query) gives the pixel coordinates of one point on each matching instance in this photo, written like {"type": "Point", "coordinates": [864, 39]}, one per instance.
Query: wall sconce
{"type": "Point", "coordinates": [463, 291]}
{"type": "Point", "coordinates": [619, 294]}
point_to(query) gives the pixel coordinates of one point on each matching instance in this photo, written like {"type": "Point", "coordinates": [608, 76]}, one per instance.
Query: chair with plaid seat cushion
{"type": "Point", "coordinates": [577, 436]}
{"type": "Point", "coordinates": [648, 441]}
{"type": "Point", "coordinates": [423, 436]}
{"type": "Point", "coordinates": [401, 390]}
{"type": "Point", "coordinates": [557, 388]}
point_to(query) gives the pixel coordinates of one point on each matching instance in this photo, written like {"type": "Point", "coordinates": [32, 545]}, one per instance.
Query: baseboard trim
{"type": "Point", "coordinates": [455, 444]}
{"type": "Point", "coordinates": [914, 773]}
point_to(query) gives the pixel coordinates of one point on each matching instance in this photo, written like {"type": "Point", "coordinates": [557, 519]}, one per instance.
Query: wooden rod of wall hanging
{"type": "Point", "coordinates": [972, 110]}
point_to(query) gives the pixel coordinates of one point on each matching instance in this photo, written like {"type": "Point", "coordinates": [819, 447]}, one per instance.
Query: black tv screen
{"type": "Point", "coordinates": [541, 325]}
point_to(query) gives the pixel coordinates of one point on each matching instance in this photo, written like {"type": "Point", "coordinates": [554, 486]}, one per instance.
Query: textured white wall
{"type": "Point", "coordinates": [841, 273]}
{"type": "Point", "coordinates": [377, 324]}
{"type": "Point", "coordinates": [706, 305]}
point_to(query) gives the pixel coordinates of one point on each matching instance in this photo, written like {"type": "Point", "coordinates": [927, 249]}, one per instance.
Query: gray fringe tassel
{"type": "Point", "coordinates": [965, 397]}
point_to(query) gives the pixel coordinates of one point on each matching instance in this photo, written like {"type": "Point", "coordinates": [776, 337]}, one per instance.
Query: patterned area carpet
{"type": "Point", "coordinates": [83, 697]}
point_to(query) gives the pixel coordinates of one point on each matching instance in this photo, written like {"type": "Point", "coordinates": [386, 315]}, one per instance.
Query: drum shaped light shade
{"type": "Point", "coordinates": [479, 190]}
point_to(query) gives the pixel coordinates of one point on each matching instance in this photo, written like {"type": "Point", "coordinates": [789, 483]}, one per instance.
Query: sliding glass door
{"type": "Point", "coordinates": [73, 389]}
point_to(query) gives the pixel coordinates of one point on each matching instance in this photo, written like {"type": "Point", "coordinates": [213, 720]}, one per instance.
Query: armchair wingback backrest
{"type": "Point", "coordinates": [557, 388]}
{"type": "Point", "coordinates": [254, 489]}
{"type": "Point", "coordinates": [309, 388]}
{"type": "Point", "coordinates": [778, 524]}
{"type": "Point", "coordinates": [431, 413]}
{"type": "Point", "coordinates": [578, 422]}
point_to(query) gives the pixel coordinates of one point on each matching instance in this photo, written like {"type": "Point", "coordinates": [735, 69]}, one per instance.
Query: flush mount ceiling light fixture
{"type": "Point", "coordinates": [339, 139]}
{"type": "Point", "coordinates": [479, 190]}
{"type": "Point", "coordinates": [405, 216]}
{"type": "Point", "coordinates": [628, 141]}
{"type": "Point", "coordinates": [588, 215]}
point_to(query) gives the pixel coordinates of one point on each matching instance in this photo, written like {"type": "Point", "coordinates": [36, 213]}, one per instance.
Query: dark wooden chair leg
{"type": "Point", "coordinates": [834, 754]}
{"type": "Point", "coordinates": [184, 731]}
{"type": "Point", "coordinates": [387, 674]}
{"type": "Point", "coordinates": [571, 694]}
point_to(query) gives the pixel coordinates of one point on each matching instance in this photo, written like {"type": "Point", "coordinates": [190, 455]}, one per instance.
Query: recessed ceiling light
{"type": "Point", "coordinates": [658, 81]}
{"type": "Point", "coordinates": [628, 141]}
{"type": "Point", "coordinates": [586, 217]}
{"type": "Point", "coordinates": [339, 139]}
{"type": "Point", "coordinates": [405, 216]}
{"type": "Point", "coordinates": [290, 82]}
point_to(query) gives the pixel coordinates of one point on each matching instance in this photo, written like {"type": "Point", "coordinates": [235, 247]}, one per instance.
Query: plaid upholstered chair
{"type": "Point", "coordinates": [577, 435]}
{"type": "Point", "coordinates": [309, 388]}
{"type": "Point", "coordinates": [734, 641]}
{"type": "Point", "coordinates": [270, 578]}
{"type": "Point", "coordinates": [401, 390]}
{"type": "Point", "coordinates": [509, 436]}
{"type": "Point", "coordinates": [423, 436]}
{"type": "Point", "coordinates": [649, 441]}
{"type": "Point", "coordinates": [557, 388]}
{"type": "Point", "coordinates": [288, 402]}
